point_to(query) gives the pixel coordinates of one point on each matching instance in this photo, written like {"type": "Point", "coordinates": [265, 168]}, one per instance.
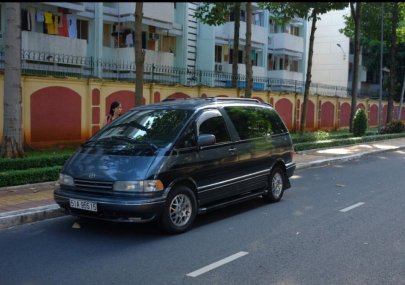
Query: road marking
{"type": "Point", "coordinates": [351, 207]}
{"type": "Point", "coordinates": [217, 264]}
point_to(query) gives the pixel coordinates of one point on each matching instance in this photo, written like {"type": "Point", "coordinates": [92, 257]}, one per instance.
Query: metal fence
{"type": "Point", "coordinates": [60, 65]}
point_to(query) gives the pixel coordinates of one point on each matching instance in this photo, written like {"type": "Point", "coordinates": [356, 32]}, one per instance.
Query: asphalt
{"type": "Point", "coordinates": [34, 202]}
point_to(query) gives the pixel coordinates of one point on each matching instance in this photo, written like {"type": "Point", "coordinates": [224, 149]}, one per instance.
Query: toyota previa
{"type": "Point", "coordinates": [169, 161]}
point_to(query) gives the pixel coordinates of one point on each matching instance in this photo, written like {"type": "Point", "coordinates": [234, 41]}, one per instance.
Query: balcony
{"type": "Point", "coordinates": [286, 41]}
{"type": "Point", "coordinates": [226, 31]}
{"type": "Point", "coordinates": [128, 55]}
{"type": "Point", "coordinates": [53, 44]}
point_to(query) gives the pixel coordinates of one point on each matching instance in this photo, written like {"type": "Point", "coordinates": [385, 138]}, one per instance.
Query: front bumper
{"type": "Point", "coordinates": [112, 208]}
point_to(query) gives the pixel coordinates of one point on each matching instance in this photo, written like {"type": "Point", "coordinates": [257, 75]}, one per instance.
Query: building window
{"type": "Point", "coordinates": [218, 54]}
{"type": "Point", "coordinates": [294, 66]}
{"type": "Point", "coordinates": [107, 30]}
{"type": "Point", "coordinates": [240, 56]}
{"type": "Point", "coordinates": [168, 44]}
{"type": "Point", "coordinates": [82, 29]}
{"type": "Point", "coordinates": [270, 62]}
{"type": "Point", "coordinates": [295, 31]}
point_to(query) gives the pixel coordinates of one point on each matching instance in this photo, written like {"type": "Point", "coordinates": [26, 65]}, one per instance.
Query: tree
{"type": "Point", "coordinates": [248, 51]}
{"type": "Point", "coordinates": [139, 54]}
{"type": "Point", "coordinates": [215, 14]}
{"type": "Point", "coordinates": [283, 12]}
{"type": "Point", "coordinates": [13, 139]}
{"type": "Point", "coordinates": [356, 15]}
{"type": "Point", "coordinates": [371, 41]}
{"type": "Point", "coordinates": [393, 64]}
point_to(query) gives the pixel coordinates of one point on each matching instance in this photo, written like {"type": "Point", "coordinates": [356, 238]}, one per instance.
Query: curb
{"type": "Point", "coordinates": [324, 162]}
{"type": "Point", "coordinates": [14, 218]}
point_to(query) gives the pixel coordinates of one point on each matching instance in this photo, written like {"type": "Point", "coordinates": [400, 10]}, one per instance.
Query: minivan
{"type": "Point", "coordinates": [169, 161]}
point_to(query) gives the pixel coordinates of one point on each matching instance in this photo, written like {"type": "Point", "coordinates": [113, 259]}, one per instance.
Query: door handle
{"type": "Point", "coordinates": [232, 150]}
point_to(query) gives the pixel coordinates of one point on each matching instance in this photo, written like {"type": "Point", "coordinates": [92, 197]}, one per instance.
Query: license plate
{"type": "Point", "coordinates": [83, 205]}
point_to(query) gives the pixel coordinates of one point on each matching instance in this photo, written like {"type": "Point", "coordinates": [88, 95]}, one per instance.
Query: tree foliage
{"type": "Point", "coordinates": [371, 35]}
{"type": "Point", "coordinates": [214, 13]}
{"type": "Point", "coordinates": [282, 12]}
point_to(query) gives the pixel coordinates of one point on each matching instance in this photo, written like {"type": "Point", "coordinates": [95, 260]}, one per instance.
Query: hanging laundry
{"type": "Point", "coordinates": [129, 40]}
{"type": "Point", "coordinates": [40, 16]}
{"type": "Point", "coordinates": [60, 24]}
{"type": "Point", "coordinates": [48, 18]}
{"type": "Point", "coordinates": [31, 19]}
{"type": "Point", "coordinates": [72, 25]}
{"type": "Point", "coordinates": [63, 31]}
{"type": "Point", "coordinates": [56, 24]}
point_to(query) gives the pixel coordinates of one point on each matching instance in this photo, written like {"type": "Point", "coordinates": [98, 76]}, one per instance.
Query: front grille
{"type": "Point", "coordinates": [94, 186]}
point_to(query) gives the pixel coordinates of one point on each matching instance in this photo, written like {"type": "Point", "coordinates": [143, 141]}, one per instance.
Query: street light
{"type": "Point", "coordinates": [344, 54]}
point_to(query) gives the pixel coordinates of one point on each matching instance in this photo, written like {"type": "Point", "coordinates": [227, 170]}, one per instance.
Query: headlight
{"type": "Point", "coordinates": [66, 180]}
{"type": "Point", "coordinates": [139, 186]}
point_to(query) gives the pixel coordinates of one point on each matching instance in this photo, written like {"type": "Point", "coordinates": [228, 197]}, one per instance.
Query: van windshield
{"type": "Point", "coordinates": [153, 128]}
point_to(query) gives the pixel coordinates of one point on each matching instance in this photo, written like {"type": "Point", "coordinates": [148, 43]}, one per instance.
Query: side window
{"type": "Point", "coordinates": [217, 127]}
{"type": "Point", "coordinates": [213, 123]}
{"type": "Point", "coordinates": [278, 125]}
{"type": "Point", "coordinates": [254, 122]}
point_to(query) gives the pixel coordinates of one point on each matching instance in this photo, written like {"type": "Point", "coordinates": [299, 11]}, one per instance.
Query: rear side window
{"type": "Point", "coordinates": [254, 122]}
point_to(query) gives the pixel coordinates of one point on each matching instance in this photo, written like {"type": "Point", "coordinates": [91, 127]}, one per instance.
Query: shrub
{"type": "Point", "coordinates": [28, 176]}
{"type": "Point", "coordinates": [395, 126]}
{"type": "Point", "coordinates": [32, 162]}
{"type": "Point", "coordinates": [359, 123]}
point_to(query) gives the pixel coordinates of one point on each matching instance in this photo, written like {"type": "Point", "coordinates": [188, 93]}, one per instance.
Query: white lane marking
{"type": "Point", "coordinates": [352, 207]}
{"type": "Point", "coordinates": [217, 264]}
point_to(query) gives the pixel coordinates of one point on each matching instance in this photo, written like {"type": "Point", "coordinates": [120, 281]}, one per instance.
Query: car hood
{"type": "Point", "coordinates": [100, 165]}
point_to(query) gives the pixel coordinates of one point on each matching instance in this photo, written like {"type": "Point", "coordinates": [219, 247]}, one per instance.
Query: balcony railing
{"type": "Point", "coordinates": [60, 65]}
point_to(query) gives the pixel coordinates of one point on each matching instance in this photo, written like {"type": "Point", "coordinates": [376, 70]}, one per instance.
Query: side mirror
{"type": "Point", "coordinates": [206, 140]}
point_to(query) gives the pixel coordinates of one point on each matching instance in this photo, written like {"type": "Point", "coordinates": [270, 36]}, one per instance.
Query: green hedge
{"type": "Point", "coordinates": [32, 162]}
{"type": "Point", "coordinates": [28, 176]}
{"type": "Point", "coordinates": [347, 141]}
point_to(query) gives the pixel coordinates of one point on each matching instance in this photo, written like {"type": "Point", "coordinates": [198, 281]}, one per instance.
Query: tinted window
{"type": "Point", "coordinates": [253, 122]}
{"type": "Point", "coordinates": [217, 127]}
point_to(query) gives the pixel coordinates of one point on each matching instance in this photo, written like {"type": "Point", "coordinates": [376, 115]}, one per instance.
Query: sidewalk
{"type": "Point", "coordinates": [34, 202]}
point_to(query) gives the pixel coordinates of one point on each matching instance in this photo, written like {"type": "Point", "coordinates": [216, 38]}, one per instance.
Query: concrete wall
{"type": "Point", "coordinates": [330, 64]}
{"type": "Point", "coordinates": [59, 112]}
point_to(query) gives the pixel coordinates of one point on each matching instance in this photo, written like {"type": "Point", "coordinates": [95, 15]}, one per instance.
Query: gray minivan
{"type": "Point", "coordinates": [173, 160]}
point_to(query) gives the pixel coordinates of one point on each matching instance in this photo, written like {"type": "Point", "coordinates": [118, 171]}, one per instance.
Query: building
{"type": "Point", "coordinates": [95, 39]}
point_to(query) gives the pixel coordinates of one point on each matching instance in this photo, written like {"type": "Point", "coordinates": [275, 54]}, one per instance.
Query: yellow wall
{"type": "Point", "coordinates": [84, 87]}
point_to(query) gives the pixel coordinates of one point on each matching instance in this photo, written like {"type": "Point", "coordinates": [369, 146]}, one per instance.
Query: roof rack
{"type": "Point", "coordinates": [215, 99]}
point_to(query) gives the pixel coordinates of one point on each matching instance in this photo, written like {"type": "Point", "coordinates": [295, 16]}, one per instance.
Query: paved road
{"type": "Point", "coordinates": [339, 224]}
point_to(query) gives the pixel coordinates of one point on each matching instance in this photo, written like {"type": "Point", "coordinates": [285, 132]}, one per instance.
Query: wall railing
{"type": "Point", "coordinates": [61, 65]}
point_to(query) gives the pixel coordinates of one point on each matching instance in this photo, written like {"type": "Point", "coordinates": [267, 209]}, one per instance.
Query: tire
{"type": "Point", "coordinates": [180, 210]}
{"type": "Point", "coordinates": [276, 185]}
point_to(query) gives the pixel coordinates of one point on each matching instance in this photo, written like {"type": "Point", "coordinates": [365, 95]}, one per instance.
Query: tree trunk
{"type": "Point", "coordinates": [139, 54]}
{"type": "Point", "coordinates": [13, 141]}
{"type": "Point", "coordinates": [356, 15]}
{"type": "Point", "coordinates": [248, 50]}
{"type": "Point", "coordinates": [393, 65]}
{"type": "Point", "coordinates": [235, 55]}
{"type": "Point", "coordinates": [308, 77]}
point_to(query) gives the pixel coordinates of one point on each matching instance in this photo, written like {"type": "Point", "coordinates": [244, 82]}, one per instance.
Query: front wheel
{"type": "Point", "coordinates": [276, 185]}
{"type": "Point", "coordinates": [180, 210]}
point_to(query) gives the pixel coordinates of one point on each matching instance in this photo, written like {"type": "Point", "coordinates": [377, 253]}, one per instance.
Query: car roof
{"type": "Point", "coordinates": [197, 103]}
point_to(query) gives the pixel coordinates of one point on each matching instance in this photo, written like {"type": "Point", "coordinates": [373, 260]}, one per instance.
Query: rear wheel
{"type": "Point", "coordinates": [180, 210]}
{"type": "Point", "coordinates": [276, 185]}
